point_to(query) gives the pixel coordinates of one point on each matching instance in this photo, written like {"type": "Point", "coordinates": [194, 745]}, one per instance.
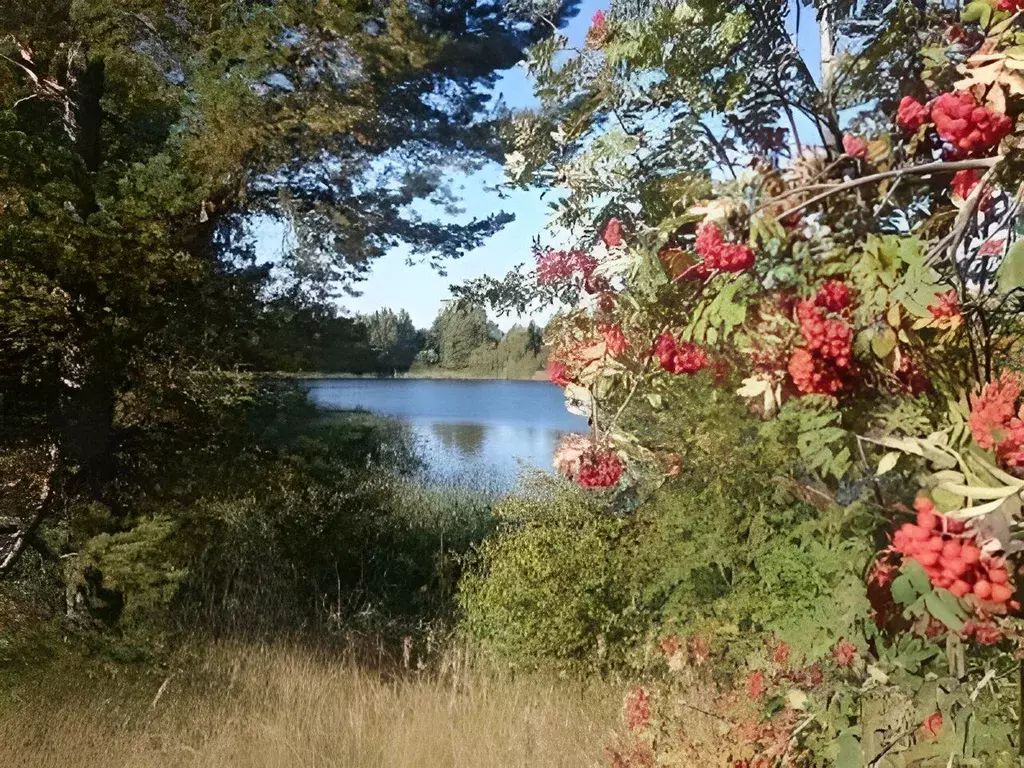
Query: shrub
{"type": "Point", "coordinates": [550, 586]}
{"type": "Point", "coordinates": [728, 548]}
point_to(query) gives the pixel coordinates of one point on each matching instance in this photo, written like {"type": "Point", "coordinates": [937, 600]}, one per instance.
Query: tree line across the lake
{"type": "Point", "coordinates": [460, 342]}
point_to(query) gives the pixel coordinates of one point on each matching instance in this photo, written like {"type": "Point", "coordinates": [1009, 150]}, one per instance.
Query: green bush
{"type": "Point", "coordinates": [550, 585]}
{"type": "Point", "coordinates": [730, 547]}
{"type": "Point", "coordinates": [239, 507]}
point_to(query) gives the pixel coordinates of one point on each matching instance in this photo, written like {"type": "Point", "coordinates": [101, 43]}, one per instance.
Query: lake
{"type": "Point", "coordinates": [472, 432]}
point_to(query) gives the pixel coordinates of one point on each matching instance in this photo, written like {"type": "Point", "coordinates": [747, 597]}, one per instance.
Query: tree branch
{"type": "Point", "coordinates": [43, 506]}
{"type": "Point", "coordinates": [936, 167]}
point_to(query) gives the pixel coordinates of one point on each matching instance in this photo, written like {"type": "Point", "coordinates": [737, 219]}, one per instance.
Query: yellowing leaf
{"type": "Point", "coordinates": [893, 316]}
{"type": "Point", "coordinates": [883, 343]}
{"type": "Point", "coordinates": [888, 462]}
{"type": "Point", "coordinates": [1011, 271]}
{"type": "Point", "coordinates": [753, 386]}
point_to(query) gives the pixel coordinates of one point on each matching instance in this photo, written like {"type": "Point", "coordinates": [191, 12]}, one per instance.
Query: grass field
{"type": "Point", "coordinates": [285, 707]}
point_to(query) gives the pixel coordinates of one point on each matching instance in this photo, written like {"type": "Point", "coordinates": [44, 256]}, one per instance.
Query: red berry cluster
{"type": "Point", "coordinates": [614, 339]}
{"type": "Point", "coordinates": [829, 338]}
{"type": "Point", "coordinates": [558, 373]}
{"type": "Point", "coordinates": [952, 558]}
{"type": "Point", "coordinates": [679, 357]}
{"type": "Point", "coordinates": [964, 182]}
{"type": "Point", "coordinates": [812, 375]}
{"type": "Point", "coordinates": [718, 253]}
{"type": "Point", "coordinates": [599, 468]}
{"type": "Point", "coordinates": [818, 366]}
{"type": "Point", "coordinates": [844, 653]}
{"type": "Point", "coordinates": [909, 375]}
{"type": "Point", "coordinates": [911, 114]}
{"type": "Point", "coordinates": [612, 234]}
{"type": "Point", "coordinates": [996, 423]}
{"type": "Point", "coordinates": [970, 128]}
{"type": "Point", "coordinates": [946, 305]}
{"type": "Point", "coordinates": [557, 266]}
{"type": "Point", "coordinates": [597, 34]}
{"type": "Point", "coordinates": [855, 146]}
{"type": "Point", "coordinates": [834, 296]}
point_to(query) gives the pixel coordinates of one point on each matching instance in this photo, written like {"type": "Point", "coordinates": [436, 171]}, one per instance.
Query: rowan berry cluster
{"type": "Point", "coordinates": [558, 373]}
{"type": "Point", "coordinates": [557, 266]}
{"type": "Point", "coordinates": [911, 114]}
{"type": "Point", "coordinates": [679, 357]}
{"type": "Point", "coordinates": [968, 127]}
{"type": "Point", "coordinates": [834, 296]}
{"type": "Point", "coordinates": [951, 557]}
{"type": "Point", "coordinates": [829, 338]}
{"type": "Point", "coordinates": [597, 34]}
{"type": "Point", "coordinates": [855, 146]}
{"type": "Point", "coordinates": [612, 235]}
{"type": "Point", "coordinates": [614, 339]}
{"type": "Point", "coordinates": [599, 468]}
{"type": "Point", "coordinates": [637, 709]}
{"type": "Point", "coordinates": [819, 365]}
{"type": "Point", "coordinates": [719, 254]}
{"type": "Point", "coordinates": [996, 423]}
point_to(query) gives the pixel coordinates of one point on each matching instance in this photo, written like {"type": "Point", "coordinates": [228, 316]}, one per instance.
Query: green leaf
{"type": "Point", "coordinates": [943, 606]}
{"type": "Point", "coordinates": [849, 753]}
{"type": "Point", "coordinates": [979, 11]}
{"type": "Point", "coordinates": [918, 578]}
{"type": "Point", "coordinates": [903, 591]}
{"type": "Point", "coordinates": [1011, 271]}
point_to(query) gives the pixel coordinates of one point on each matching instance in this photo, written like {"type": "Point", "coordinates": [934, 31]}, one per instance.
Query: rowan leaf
{"type": "Point", "coordinates": [888, 462]}
{"type": "Point", "coordinates": [944, 606]}
{"type": "Point", "coordinates": [1011, 272]}
{"type": "Point", "coordinates": [979, 11]}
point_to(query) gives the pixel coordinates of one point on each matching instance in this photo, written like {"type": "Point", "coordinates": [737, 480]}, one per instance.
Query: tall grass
{"type": "Point", "coordinates": [285, 707]}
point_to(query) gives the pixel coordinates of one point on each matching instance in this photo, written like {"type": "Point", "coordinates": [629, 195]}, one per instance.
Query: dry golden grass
{"type": "Point", "coordinates": [265, 707]}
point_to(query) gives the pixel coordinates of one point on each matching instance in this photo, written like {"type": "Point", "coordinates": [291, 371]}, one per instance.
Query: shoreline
{"type": "Point", "coordinates": [416, 375]}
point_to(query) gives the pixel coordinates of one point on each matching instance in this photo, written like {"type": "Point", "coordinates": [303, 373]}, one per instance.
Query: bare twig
{"type": "Point", "coordinates": [43, 506]}
{"type": "Point", "coordinates": [926, 168]}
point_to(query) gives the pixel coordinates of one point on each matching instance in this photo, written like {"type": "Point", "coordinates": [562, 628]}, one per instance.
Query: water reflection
{"type": "Point", "coordinates": [468, 439]}
{"type": "Point", "coordinates": [477, 433]}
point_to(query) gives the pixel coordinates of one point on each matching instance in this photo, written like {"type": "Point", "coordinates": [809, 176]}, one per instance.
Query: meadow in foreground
{"type": "Point", "coordinates": [263, 706]}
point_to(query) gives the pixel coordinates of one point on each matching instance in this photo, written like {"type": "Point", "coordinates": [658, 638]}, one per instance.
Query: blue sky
{"type": "Point", "coordinates": [421, 290]}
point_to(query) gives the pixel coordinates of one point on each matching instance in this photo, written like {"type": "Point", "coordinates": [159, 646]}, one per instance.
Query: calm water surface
{"type": "Point", "coordinates": [480, 433]}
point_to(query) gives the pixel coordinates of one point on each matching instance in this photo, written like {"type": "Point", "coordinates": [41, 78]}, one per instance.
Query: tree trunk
{"type": "Point", "coordinates": [827, 72]}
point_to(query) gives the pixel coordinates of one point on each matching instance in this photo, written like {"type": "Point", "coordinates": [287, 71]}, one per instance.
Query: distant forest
{"type": "Point", "coordinates": [461, 341]}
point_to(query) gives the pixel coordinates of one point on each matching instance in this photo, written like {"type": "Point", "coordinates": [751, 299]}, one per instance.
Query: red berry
{"type": "Point", "coordinates": [954, 565]}
{"type": "Point", "coordinates": [924, 504]}
{"type": "Point", "coordinates": [926, 558]}
{"type": "Point", "coordinates": [934, 544]}
{"type": "Point", "coordinates": [998, 576]}
{"type": "Point", "coordinates": [911, 114]}
{"type": "Point", "coordinates": [1001, 593]}
{"type": "Point", "coordinates": [970, 554]}
{"type": "Point", "coordinates": [983, 589]}
{"type": "Point", "coordinates": [927, 520]}
{"type": "Point", "coordinates": [951, 549]}
{"type": "Point", "coordinates": [917, 533]}
{"type": "Point", "coordinates": [959, 588]}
